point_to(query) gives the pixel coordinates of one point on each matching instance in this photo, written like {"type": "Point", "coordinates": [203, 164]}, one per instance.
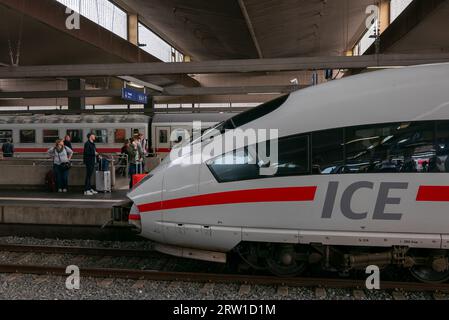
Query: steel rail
{"type": "Point", "coordinates": [110, 252]}
{"type": "Point", "coordinates": [156, 275]}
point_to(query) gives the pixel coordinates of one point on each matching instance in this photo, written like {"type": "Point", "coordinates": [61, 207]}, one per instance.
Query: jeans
{"type": "Point", "coordinates": [134, 169]}
{"type": "Point", "coordinates": [90, 169]}
{"type": "Point", "coordinates": [61, 177]}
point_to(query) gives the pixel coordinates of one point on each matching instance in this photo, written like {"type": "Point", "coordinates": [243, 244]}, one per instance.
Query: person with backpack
{"type": "Point", "coordinates": [61, 156]}
{"type": "Point", "coordinates": [8, 149]}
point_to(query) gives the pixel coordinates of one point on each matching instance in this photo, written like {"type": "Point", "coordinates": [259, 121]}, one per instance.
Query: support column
{"type": "Point", "coordinates": [133, 29]}
{"type": "Point", "coordinates": [77, 104]}
{"type": "Point", "coordinates": [149, 107]}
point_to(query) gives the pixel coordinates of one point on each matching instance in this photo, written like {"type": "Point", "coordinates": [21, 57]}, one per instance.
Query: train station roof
{"type": "Point", "coordinates": [34, 33]}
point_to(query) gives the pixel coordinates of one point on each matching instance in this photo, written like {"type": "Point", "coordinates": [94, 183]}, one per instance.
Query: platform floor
{"type": "Point", "coordinates": [34, 207]}
{"type": "Point", "coordinates": [72, 199]}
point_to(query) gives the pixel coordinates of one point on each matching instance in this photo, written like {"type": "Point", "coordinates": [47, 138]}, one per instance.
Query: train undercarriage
{"type": "Point", "coordinates": [426, 265]}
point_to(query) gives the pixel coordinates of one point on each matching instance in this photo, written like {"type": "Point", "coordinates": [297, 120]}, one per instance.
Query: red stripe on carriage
{"type": "Point", "coordinates": [163, 150]}
{"type": "Point", "coordinates": [433, 193]}
{"type": "Point", "coordinates": [77, 150]}
{"type": "Point", "coordinates": [290, 194]}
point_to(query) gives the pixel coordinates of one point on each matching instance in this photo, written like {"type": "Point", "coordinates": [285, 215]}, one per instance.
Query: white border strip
{"type": "Point", "coordinates": [57, 200]}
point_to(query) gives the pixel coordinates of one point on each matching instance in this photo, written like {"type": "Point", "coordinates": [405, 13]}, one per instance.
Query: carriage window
{"type": "Point", "coordinates": [76, 135]}
{"type": "Point", "coordinates": [399, 147]}
{"type": "Point", "coordinates": [120, 135]}
{"type": "Point", "coordinates": [50, 136]}
{"type": "Point", "coordinates": [243, 164]}
{"type": "Point", "coordinates": [163, 136]}
{"type": "Point", "coordinates": [5, 136]}
{"type": "Point", "coordinates": [27, 136]}
{"type": "Point", "coordinates": [442, 147]}
{"type": "Point", "coordinates": [101, 134]}
{"type": "Point", "coordinates": [327, 152]}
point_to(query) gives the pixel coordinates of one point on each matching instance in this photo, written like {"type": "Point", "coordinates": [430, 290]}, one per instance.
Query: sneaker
{"type": "Point", "coordinates": [60, 191]}
{"type": "Point", "coordinates": [88, 193]}
{"type": "Point", "coordinates": [64, 190]}
{"type": "Point", "coordinates": [93, 191]}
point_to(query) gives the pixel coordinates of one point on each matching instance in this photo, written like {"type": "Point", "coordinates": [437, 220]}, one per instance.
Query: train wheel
{"type": "Point", "coordinates": [434, 270]}
{"type": "Point", "coordinates": [286, 260]}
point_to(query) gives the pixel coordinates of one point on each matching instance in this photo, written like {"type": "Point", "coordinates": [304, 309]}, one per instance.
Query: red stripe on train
{"type": "Point", "coordinates": [135, 217]}
{"type": "Point", "coordinates": [163, 150]}
{"type": "Point", "coordinates": [290, 194]}
{"type": "Point", "coordinates": [433, 193]}
{"type": "Point", "coordinates": [78, 150]}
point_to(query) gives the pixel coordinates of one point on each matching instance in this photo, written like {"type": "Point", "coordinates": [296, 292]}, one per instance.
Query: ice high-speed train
{"type": "Point", "coordinates": [361, 177]}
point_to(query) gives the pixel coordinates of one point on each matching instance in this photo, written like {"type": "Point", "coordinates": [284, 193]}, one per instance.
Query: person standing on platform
{"type": "Point", "coordinates": [8, 149]}
{"type": "Point", "coordinates": [135, 159]}
{"type": "Point", "coordinates": [68, 142]}
{"type": "Point", "coordinates": [61, 156]}
{"type": "Point", "coordinates": [90, 158]}
{"type": "Point", "coordinates": [142, 145]}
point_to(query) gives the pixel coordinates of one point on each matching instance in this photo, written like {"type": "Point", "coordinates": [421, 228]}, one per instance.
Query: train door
{"type": "Point", "coordinates": [163, 143]}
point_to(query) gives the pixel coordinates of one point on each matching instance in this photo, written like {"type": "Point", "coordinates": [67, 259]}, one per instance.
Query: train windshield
{"type": "Point", "coordinates": [243, 118]}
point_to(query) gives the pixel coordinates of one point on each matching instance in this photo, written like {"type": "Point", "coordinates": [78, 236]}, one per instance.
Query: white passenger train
{"type": "Point", "coordinates": [33, 135]}
{"type": "Point", "coordinates": [168, 127]}
{"type": "Point", "coordinates": [362, 177]}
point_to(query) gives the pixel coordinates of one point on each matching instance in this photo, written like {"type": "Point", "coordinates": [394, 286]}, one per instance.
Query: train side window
{"type": "Point", "coordinates": [120, 135]}
{"type": "Point", "coordinates": [76, 135]}
{"type": "Point", "coordinates": [101, 134]}
{"type": "Point", "coordinates": [235, 166]}
{"type": "Point", "coordinates": [399, 147]}
{"type": "Point", "coordinates": [27, 136]}
{"type": "Point", "coordinates": [327, 151]}
{"type": "Point", "coordinates": [5, 136]}
{"type": "Point", "coordinates": [442, 147]}
{"type": "Point", "coordinates": [292, 160]}
{"type": "Point", "coordinates": [50, 136]}
{"type": "Point", "coordinates": [293, 156]}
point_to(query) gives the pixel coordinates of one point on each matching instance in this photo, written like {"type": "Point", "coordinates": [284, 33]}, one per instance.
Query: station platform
{"type": "Point", "coordinates": [69, 209]}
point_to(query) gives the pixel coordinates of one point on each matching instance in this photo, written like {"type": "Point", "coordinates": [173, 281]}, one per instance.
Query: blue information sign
{"type": "Point", "coordinates": [135, 96]}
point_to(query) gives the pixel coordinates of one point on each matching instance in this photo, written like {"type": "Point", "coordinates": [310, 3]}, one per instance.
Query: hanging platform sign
{"type": "Point", "coordinates": [134, 95]}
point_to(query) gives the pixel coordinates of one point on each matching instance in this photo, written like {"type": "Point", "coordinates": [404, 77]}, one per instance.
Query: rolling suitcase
{"type": "Point", "coordinates": [138, 176]}
{"type": "Point", "coordinates": [103, 180]}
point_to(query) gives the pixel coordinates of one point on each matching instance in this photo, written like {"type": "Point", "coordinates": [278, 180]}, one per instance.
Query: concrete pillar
{"type": "Point", "coordinates": [76, 104]}
{"type": "Point", "coordinates": [384, 15]}
{"type": "Point", "coordinates": [133, 29]}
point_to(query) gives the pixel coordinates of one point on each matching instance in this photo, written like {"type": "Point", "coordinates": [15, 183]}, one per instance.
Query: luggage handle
{"type": "Point", "coordinates": [139, 169]}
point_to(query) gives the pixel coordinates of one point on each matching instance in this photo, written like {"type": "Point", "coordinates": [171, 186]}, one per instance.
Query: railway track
{"type": "Point", "coordinates": [110, 252]}
{"type": "Point", "coordinates": [198, 277]}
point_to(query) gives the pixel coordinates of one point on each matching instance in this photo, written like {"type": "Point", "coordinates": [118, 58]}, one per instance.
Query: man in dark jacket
{"type": "Point", "coordinates": [8, 149]}
{"type": "Point", "coordinates": [68, 142]}
{"type": "Point", "coordinates": [90, 157]}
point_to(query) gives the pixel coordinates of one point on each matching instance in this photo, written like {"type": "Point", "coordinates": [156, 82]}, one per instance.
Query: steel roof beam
{"type": "Point", "coordinates": [221, 66]}
{"type": "Point", "coordinates": [250, 28]}
{"type": "Point", "coordinates": [166, 93]}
